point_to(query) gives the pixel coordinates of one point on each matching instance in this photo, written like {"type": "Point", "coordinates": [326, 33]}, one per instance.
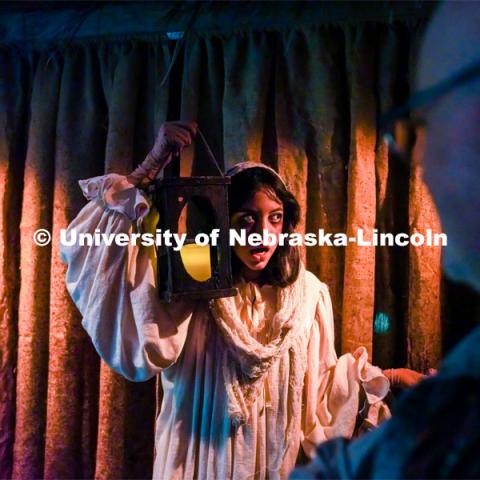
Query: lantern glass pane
{"type": "Point", "coordinates": [196, 217]}
{"type": "Point", "coordinates": [196, 260]}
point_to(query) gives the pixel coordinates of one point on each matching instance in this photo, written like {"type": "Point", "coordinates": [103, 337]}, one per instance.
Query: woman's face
{"type": "Point", "coordinates": [261, 212]}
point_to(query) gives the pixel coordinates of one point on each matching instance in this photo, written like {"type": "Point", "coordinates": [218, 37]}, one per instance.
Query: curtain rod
{"type": "Point", "coordinates": [29, 23]}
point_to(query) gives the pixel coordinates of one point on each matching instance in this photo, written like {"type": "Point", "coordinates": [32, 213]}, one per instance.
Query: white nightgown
{"type": "Point", "coordinates": [139, 336]}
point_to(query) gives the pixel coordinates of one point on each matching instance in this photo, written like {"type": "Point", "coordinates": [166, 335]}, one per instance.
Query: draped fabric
{"type": "Point", "coordinates": [303, 100]}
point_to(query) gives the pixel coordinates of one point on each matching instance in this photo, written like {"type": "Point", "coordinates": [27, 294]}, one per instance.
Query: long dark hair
{"type": "Point", "coordinates": [283, 267]}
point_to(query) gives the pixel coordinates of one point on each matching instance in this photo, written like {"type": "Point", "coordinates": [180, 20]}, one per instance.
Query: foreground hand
{"type": "Point", "coordinates": [404, 377]}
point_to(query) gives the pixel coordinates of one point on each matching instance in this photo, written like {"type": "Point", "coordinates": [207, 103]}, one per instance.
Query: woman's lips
{"type": "Point", "coordinates": [259, 253]}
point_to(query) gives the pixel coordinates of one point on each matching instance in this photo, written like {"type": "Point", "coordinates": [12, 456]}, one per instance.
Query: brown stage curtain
{"type": "Point", "coordinates": [302, 100]}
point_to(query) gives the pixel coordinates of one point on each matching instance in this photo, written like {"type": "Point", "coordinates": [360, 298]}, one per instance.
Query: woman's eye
{"type": "Point", "coordinates": [277, 218]}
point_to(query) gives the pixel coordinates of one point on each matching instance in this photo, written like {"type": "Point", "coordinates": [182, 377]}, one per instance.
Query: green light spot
{"type": "Point", "coordinates": [381, 324]}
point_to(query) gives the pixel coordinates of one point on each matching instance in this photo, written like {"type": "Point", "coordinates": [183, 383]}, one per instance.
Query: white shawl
{"type": "Point", "coordinates": [252, 359]}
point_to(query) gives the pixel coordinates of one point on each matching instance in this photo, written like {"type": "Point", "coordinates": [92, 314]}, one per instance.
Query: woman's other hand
{"type": "Point", "coordinates": [405, 377]}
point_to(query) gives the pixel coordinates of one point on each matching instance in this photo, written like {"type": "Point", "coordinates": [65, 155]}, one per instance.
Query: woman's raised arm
{"type": "Point", "coordinates": [114, 286]}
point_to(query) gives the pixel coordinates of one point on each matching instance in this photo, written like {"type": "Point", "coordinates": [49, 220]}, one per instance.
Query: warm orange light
{"type": "Point", "coordinates": [196, 260]}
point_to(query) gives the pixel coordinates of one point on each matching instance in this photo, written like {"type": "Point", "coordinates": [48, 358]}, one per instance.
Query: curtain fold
{"type": "Point", "coordinates": [389, 178]}
{"type": "Point", "coordinates": [424, 326]}
{"type": "Point", "coordinates": [79, 143]}
{"type": "Point", "coordinates": [34, 305]}
{"type": "Point", "coordinates": [359, 274]}
{"type": "Point", "coordinates": [14, 101]}
{"type": "Point", "coordinates": [303, 100]}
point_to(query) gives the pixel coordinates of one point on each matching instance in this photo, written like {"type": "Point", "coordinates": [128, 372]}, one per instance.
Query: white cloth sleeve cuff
{"type": "Point", "coordinates": [374, 382]}
{"type": "Point", "coordinates": [117, 193]}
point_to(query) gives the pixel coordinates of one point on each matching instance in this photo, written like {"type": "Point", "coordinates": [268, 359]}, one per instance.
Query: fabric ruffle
{"type": "Point", "coordinates": [340, 403]}
{"type": "Point", "coordinates": [375, 387]}
{"type": "Point", "coordinates": [374, 382]}
{"type": "Point", "coordinates": [115, 192]}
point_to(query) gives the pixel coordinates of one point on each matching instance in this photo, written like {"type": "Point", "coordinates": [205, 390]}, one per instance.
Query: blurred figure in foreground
{"type": "Point", "coordinates": [435, 428]}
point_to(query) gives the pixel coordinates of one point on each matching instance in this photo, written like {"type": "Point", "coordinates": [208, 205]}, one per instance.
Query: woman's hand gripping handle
{"type": "Point", "coordinates": [172, 138]}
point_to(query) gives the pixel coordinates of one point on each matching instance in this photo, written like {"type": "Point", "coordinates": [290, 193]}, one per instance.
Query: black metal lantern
{"type": "Point", "coordinates": [193, 206]}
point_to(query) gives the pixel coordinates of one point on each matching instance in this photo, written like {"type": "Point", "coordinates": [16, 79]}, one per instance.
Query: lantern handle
{"type": "Point", "coordinates": [209, 151]}
{"type": "Point", "coordinates": [174, 154]}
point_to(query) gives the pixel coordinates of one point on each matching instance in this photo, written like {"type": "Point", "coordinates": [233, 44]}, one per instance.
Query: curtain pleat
{"type": "Point", "coordinates": [304, 101]}
{"type": "Point", "coordinates": [424, 326]}
{"type": "Point", "coordinates": [324, 87]}
{"type": "Point", "coordinates": [111, 426]}
{"type": "Point", "coordinates": [391, 214]}
{"type": "Point", "coordinates": [359, 273]}
{"type": "Point", "coordinates": [119, 75]}
{"type": "Point", "coordinates": [292, 127]}
{"type": "Point", "coordinates": [33, 314]}
{"type": "Point", "coordinates": [90, 403]}
{"type": "Point", "coordinates": [202, 96]}
{"type": "Point", "coordinates": [245, 95]}
{"type": "Point", "coordinates": [127, 75]}
{"type": "Point", "coordinates": [14, 101]}
{"type": "Point", "coordinates": [79, 152]}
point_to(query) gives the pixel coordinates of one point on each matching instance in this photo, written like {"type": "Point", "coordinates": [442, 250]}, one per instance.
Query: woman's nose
{"type": "Point", "coordinates": [261, 224]}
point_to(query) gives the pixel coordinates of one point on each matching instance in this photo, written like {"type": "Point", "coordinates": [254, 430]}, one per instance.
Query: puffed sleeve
{"type": "Point", "coordinates": [114, 287]}
{"type": "Point", "coordinates": [333, 385]}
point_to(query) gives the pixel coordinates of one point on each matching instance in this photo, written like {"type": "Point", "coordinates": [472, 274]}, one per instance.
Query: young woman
{"type": "Point", "coordinates": [247, 380]}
